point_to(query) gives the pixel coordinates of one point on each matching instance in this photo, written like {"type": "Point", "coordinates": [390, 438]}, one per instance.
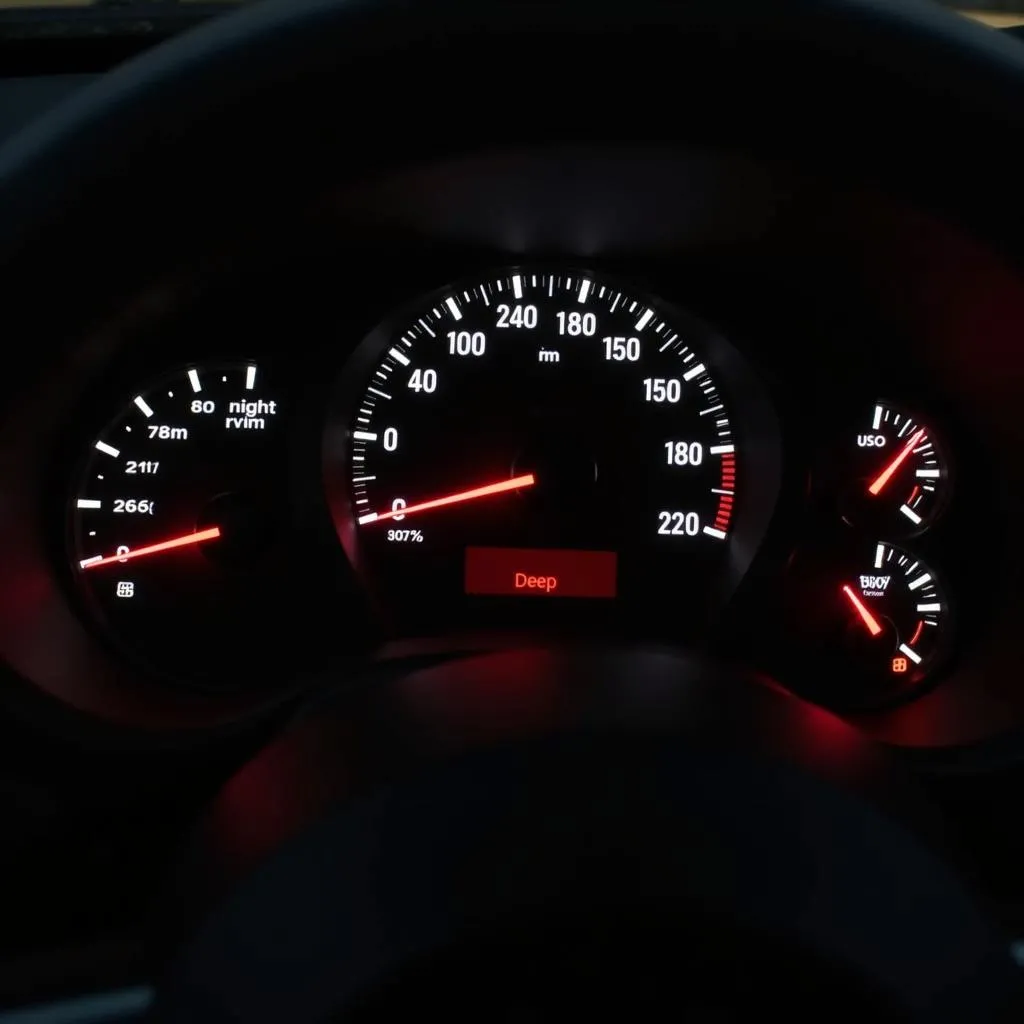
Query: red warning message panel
{"type": "Point", "coordinates": [541, 572]}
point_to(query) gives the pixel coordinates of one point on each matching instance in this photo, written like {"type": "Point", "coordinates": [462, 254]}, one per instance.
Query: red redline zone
{"type": "Point", "coordinates": [726, 501]}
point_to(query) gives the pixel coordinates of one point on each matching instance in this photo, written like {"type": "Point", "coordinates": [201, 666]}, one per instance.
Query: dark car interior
{"type": "Point", "coordinates": [511, 512]}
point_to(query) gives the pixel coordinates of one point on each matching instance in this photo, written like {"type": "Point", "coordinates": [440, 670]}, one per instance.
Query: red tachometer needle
{"type": "Point", "coordinates": [154, 549]}
{"type": "Point", "coordinates": [486, 491]}
{"type": "Point", "coordinates": [862, 610]}
{"type": "Point", "coordinates": [887, 474]}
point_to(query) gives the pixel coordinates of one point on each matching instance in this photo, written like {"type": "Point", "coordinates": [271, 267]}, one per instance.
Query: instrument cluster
{"type": "Point", "coordinates": [550, 450]}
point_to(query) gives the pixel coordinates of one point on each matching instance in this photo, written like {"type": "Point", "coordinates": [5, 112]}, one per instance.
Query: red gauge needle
{"type": "Point", "coordinates": [887, 474]}
{"type": "Point", "coordinates": [861, 609]}
{"type": "Point", "coordinates": [458, 498]}
{"type": "Point", "coordinates": [154, 549]}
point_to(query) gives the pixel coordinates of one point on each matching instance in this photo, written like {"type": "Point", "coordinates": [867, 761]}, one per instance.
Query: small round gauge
{"type": "Point", "coordinates": [895, 616]}
{"type": "Point", "coordinates": [174, 519]}
{"type": "Point", "coordinates": [894, 477]}
{"type": "Point", "coordinates": [876, 626]}
{"type": "Point", "coordinates": [546, 437]}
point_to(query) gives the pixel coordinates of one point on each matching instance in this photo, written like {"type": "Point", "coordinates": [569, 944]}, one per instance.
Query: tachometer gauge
{"type": "Point", "coordinates": [174, 518]}
{"type": "Point", "coordinates": [551, 437]}
{"type": "Point", "coordinates": [893, 474]}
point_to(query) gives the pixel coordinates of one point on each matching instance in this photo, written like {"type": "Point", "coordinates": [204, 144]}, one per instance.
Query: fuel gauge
{"type": "Point", "coordinates": [894, 474]}
{"type": "Point", "coordinates": [896, 617]}
{"type": "Point", "coordinates": [873, 626]}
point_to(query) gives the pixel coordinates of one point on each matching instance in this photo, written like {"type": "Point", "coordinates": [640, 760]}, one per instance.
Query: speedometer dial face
{"type": "Point", "coordinates": [549, 440]}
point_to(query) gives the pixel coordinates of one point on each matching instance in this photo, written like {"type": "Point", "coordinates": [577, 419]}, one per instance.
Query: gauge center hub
{"type": "Point", "coordinates": [247, 527]}
{"type": "Point", "coordinates": [565, 471]}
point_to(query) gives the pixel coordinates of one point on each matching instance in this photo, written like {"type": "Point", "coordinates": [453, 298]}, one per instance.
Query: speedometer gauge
{"type": "Point", "coordinates": [550, 439]}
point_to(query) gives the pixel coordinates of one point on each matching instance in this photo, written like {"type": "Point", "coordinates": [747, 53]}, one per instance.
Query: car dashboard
{"type": "Point", "coordinates": [662, 397]}
{"type": "Point", "coordinates": [501, 397]}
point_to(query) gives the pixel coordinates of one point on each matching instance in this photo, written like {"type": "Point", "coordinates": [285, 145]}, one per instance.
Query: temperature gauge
{"type": "Point", "coordinates": [895, 477]}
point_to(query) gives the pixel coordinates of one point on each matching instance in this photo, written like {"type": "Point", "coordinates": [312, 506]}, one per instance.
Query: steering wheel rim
{"type": "Point", "coordinates": [433, 812]}
{"type": "Point", "coordinates": [967, 72]}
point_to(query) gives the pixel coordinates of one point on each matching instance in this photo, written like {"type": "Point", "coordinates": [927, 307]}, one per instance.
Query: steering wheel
{"type": "Point", "coordinates": [542, 832]}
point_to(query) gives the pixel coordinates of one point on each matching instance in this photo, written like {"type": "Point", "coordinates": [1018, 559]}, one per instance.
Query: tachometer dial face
{"type": "Point", "coordinates": [546, 437]}
{"type": "Point", "coordinates": [174, 520]}
{"type": "Point", "coordinates": [894, 475]}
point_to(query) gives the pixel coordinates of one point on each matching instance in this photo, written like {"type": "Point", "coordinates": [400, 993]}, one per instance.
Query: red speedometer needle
{"type": "Point", "coordinates": [862, 610]}
{"type": "Point", "coordinates": [153, 549]}
{"type": "Point", "coordinates": [458, 498]}
{"type": "Point", "coordinates": [886, 475]}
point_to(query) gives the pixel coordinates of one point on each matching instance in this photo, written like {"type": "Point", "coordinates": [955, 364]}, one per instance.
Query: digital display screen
{"type": "Point", "coordinates": [541, 572]}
